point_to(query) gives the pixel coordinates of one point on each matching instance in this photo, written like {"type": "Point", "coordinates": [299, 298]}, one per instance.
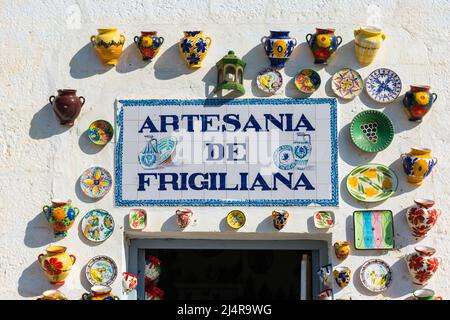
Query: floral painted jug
{"type": "Point", "coordinates": [368, 40]}
{"type": "Point", "coordinates": [422, 217]}
{"type": "Point", "coordinates": [417, 164]}
{"type": "Point", "coordinates": [323, 44]}
{"type": "Point", "coordinates": [108, 44]}
{"type": "Point", "coordinates": [149, 158]}
{"type": "Point", "coordinates": [148, 44]}
{"type": "Point", "coordinates": [61, 215]}
{"type": "Point", "coordinates": [99, 293]}
{"type": "Point", "coordinates": [193, 47]}
{"type": "Point", "coordinates": [56, 264]}
{"type": "Point", "coordinates": [279, 218]}
{"type": "Point", "coordinates": [302, 150]}
{"type": "Point", "coordinates": [418, 101]}
{"type": "Point", "coordinates": [184, 217]}
{"type": "Point", "coordinates": [422, 264]}
{"type": "Point", "coordinates": [279, 47]}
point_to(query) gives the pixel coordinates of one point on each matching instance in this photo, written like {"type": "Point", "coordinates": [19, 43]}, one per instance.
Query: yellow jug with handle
{"type": "Point", "coordinates": [368, 40]}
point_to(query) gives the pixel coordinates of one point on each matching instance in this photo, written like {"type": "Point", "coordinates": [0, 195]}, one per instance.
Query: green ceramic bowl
{"type": "Point", "coordinates": [372, 131]}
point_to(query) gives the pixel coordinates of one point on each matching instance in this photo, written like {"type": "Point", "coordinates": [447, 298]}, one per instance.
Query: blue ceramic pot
{"type": "Point", "coordinates": [279, 47]}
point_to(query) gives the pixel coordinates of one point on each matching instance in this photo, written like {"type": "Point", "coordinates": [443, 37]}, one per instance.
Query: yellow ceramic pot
{"type": "Point", "coordinates": [368, 40]}
{"type": "Point", "coordinates": [56, 264]}
{"type": "Point", "coordinates": [193, 47]}
{"type": "Point", "coordinates": [417, 164]}
{"type": "Point", "coordinates": [342, 249]}
{"type": "Point", "coordinates": [108, 44]}
{"type": "Point", "coordinates": [52, 295]}
{"type": "Point", "coordinates": [99, 293]}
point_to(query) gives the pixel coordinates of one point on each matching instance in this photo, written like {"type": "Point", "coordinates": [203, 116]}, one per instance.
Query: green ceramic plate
{"type": "Point", "coordinates": [372, 182]}
{"type": "Point", "coordinates": [372, 131]}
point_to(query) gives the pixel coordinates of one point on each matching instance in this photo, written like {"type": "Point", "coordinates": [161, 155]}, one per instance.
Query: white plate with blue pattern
{"type": "Point", "coordinates": [383, 85]}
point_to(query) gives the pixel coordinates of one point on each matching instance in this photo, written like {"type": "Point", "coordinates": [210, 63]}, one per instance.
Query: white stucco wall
{"type": "Point", "coordinates": [45, 47]}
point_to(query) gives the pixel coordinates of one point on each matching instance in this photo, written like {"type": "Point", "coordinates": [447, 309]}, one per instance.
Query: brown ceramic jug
{"type": "Point", "coordinates": [67, 105]}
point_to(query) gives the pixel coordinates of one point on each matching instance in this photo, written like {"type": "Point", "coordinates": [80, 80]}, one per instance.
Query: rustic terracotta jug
{"type": "Point", "coordinates": [67, 105]}
{"type": "Point", "coordinates": [56, 264]}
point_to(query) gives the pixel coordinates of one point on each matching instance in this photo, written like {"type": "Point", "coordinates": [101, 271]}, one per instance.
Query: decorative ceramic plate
{"type": "Point", "coordinates": [95, 182]}
{"type": "Point", "coordinates": [376, 275]}
{"type": "Point", "coordinates": [100, 132]}
{"type": "Point", "coordinates": [236, 219]}
{"type": "Point", "coordinates": [283, 157]}
{"type": "Point", "coordinates": [269, 80]}
{"type": "Point", "coordinates": [307, 81]}
{"type": "Point", "coordinates": [371, 131]}
{"type": "Point", "coordinates": [372, 182]}
{"type": "Point", "coordinates": [166, 147]}
{"type": "Point", "coordinates": [137, 219]}
{"type": "Point", "coordinates": [97, 225]}
{"type": "Point", "coordinates": [101, 270]}
{"type": "Point", "coordinates": [373, 230]}
{"type": "Point", "coordinates": [323, 219]}
{"type": "Point", "coordinates": [347, 83]}
{"type": "Point", "coordinates": [383, 85]}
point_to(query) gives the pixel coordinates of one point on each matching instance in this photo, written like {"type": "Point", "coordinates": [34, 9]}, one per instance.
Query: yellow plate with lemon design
{"type": "Point", "coordinates": [236, 219]}
{"type": "Point", "coordinates": [372, 182]}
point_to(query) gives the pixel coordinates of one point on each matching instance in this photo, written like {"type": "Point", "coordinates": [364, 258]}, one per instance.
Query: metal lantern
{"type": "Point", "coordinates": [230, 73]}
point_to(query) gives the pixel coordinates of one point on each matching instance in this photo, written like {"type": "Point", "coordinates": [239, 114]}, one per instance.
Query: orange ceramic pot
{"type": "Point", "coordinates": [56, 264]}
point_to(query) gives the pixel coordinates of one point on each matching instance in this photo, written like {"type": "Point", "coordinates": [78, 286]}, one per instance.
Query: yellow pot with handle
{"type": "Point", "coordinates": [56, 264]}
{"type": "Point", "coordinates": [368, 40]}
{"type": "Point", "coordinates": [108, 44]}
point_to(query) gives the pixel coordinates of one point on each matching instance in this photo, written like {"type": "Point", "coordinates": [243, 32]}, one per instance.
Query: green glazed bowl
{"type": "Point", "coordinates": [372, 131]}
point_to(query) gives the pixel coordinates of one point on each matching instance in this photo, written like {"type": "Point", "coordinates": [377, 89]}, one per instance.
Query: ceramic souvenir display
{"type": "Point", "coordinates": [154, 293]}
{"type": "Point", "coordinates": [279, 218]}
{"type": "Point", "coordinates": [184, 217]}
{"type": "Point", "coordinates": [61, 215]}
{"type": "Point", "coordinates": [383, 85]}
{"type": "Point", "coordinates": [326, 294]}
{"type": "Point", "coordinates": [100, 132]}
{"type": "Point", "coordinates": [97, 225]}
{"type": "Point", "coordinates": [137, 219]}
{"type": "Point", "coordinates": [347, 83]}
{"type": "Point", "coordinates": [422, 217]}
{"type": "Point", "coordinates": [152, 269]}
{"type": "Point", "coordinates": [101, 270]}
{"type": "Point", "coordinates": [422, 264]}
{"type": "Point", "coordinates": [368, 40]}
{"type": "Point", "coordinates": [371, 182]}
{"type": "Point", "coordinates": [307, 81]}
{"type": "Point", "coordinates": [108, 44]}
{"type": "Point", "coordinates": [418, 101]}
{"type": "Point", "coordinates": [418, 164]}
{"type": "Point", "coordinates": [230, 73]}
{"type": "Point", "coordinates": [324, 219]}
{"type": "Point", "coordinates": [269, 80]}
{"type": "Point", "coordinates": [129, 282]}
{"type": "Point", "coordinates": [193, 47]}
{"type": "Point", "coordinates": [323, 44]}
{"type": "Point", "coordinates": [325, 275]}
{"type": "Point", "coordinates": [372, 131]}
{"type": "Point", "coordinates": [236, 219]}
{"type": "Point", "coordinates": [424, 294]}
{"type": "Point", "coordinates": [52, 295]}
{"type": "Point", "coordinates": [56, 264]}
{"type": "Point", "coordinates": [342, 249]}
{"type": "Point", "coordinates": [95, 182]}
{"type": "Point", "coordinates": [157, 153]}
{"type": "Point", "coordinates": [278, 47]}
{"type": "Point", "coordinates": [376, 275]}
{"type": "Point", "coordinates": [148, 44]}
{"type": "Point", "coordinates": [373, 229]}
{"type": "Point", "coordinates": [99, 292]}
{"type": "Point", "coordinates": [66, 105]}
{"type": "Point", "coordinates": [342, 276]}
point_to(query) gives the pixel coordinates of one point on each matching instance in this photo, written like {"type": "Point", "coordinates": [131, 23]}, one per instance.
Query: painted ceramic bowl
{"type": "Point", "coordinates": [342, 276]}
{"type": "Point", "coordinates": [100, 132]}
{"type": "Point", "coordinates": [424, 294]}
{"type": "Point", "coordinates": [371, 131]}
{"type": "Point", "coordinates": [307, 81]}
{"type": "Point", "coordinates": [95, 182]}
{"type": "Point", "coordinates": [347, 83]}
{"type": "Point", "coordinates": [236, 219]}
{"type": "Point", "coordinates": [101, 270]}
{"type": "Point", "coordinates": [269, 80]}
{"type": "Point", "coordinates": [166, 148]}
{"type": "Point", "coordinates": [342, 249]}
{"type": "Point", "coordinates": [372, 183]}
{"type": "Point", "coordinates": [383, 85]}
{"type": "Point", "coordinates": [324, 219]}
{"type": "Point", "coordinates": [376, 275]}
{"type": "Point", "coordinates": [97, 225]}
{"type": "Point", "coordinates": [137, 219]}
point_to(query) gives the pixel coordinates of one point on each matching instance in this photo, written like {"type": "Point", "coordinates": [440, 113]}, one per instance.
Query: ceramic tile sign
{"type": "Point", "coordinates": [220, 152]}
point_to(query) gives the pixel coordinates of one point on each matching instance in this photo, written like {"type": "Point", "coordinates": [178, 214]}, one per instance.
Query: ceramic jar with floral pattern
{"type": "Point", "coordinates": [108, 44]}
{"type": "Point", "coordinates": [342, 249]}
{"type": "Point", "coordinates": [99, 293]}
{"type": "Point", "coordinates": [279, 47]}
{"type": "Point", "coordinates": [422, 217]}
{"type": "Point", "coordinates": [193, 47]}
{"type": "Point", "coordinates": [183, 217]}
{"type": "Point", "coordinates": [61, 215]}
{"type": "Point", "coordinates": [279, 218]}
{"type": "Point", "coordinates": [148, 44]}
{"type": "Point", "coordinates": [422, 264]}
{"type": "Point", "coordinates": [417, 164]}
{"type": "Point", "coordinates": [56, 264]}
{"type": "Point", "coordinates": [418, 101]}
{"type": "Point", "coordinates": [323, 44]}
{"type": "Point", "coordinates": [342, 276]}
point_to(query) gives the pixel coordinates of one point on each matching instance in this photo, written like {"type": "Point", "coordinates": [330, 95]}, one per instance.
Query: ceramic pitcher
{"type": "Point", "coordinates": [368, 40]}
{"type": "Point", "coordinates": [342, 249]}
{"type": "Point", "coordinates": [417, 164]}
{"type": "Point", "coordinates": [278, 47]}
{"type": "Point", "coordinates": [149, 158]}
{"type": "Point", "coordinates": [279, 218]}
{"type": "Point", "coordinates": [193, 47]}
{"type": "Point", "coordinates": [56, 264]}
{"type": "Point", "coordinates": [418, 101]}
{"type": "Point", "coordinates": [422, 264]}
{"type": "Point", "coordinates": [183, 217]}
{"type": "Point", "coordinates": [66, 105]}
{"type": "Point", "coordinates": [61, 215]}
{"type": "Point", "coordinates": [302, 150]}
{"type": "Point", "coordinates": [422, 217]}
{"type": "Point", "coordinates": [129, 282]}
{"type": "Point", "coordinates": [148, 44]}
{"type": "Point", "coordinates": [323, 44]}
{"type": "Point", "coordinates": [108, 44]}
{"type": "Point", "coordinates": [342, 276]}
{"type": "Point", "coordinates": [99, 293]}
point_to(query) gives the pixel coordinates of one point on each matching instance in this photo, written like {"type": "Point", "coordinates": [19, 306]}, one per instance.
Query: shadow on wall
{"type": "Point", "coordinates": [87, 146]}
{"type": "Point", "coordinates": [80, 195]}
{"type": "Point", "coordinates": [85, 63]}
{"type": "Point", "coordinates": [403, 185]}
{"type": "Point", "coordinates": [131, 60]}
{"type": "Point", "coordinates": [301, 58]}
{"type": "Point", "coordinates": [170, 65]}
{"type": "Point", "coordinates": [83, 279]}
{"type": "Point", "coordinates": [343, 58]}
{"type": "Point", "coordinates": [38, 232]}
{"type": "Point", "coordinates": [45, 124]}
{"type": "Point", "coordinates": [34, 275]}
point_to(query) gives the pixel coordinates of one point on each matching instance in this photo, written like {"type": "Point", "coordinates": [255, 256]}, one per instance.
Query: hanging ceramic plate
{"type": "Point", "coordinates": [166, 147]}
{"type": "Point", "coordinates": [95, 182]}
{"type": "Point", "coordinates": [269, 80]}
{"type": "Point", "coordinates": [376, 275]}
{"type": "Point", "coordinates": [97, 225]}
{"type": "Point", "coordinates": [347, 83]}
{"type": "Point", "coordinates": [236, 219]}
{"type": "Point", "coordinates": [324, 219]}
{"type": "Point", "coordinates": [383, 85]}
{"type": "Point", "coordinates": [137, 219]}
{"type": "Point", "coordinates": [307, 81]}
{"type": "Point", "coordinates": [100, 132]}
{"type": "Point", "coordinates": [101, 270]}
{"type": "Point", "coordinates": [373, 230]}
{"type": "Point", "coordinates": [372, 131]}
{"type": "Point", "coordinates": [372, 183]}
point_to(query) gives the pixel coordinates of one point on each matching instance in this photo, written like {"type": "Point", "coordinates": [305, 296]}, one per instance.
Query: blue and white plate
{"type": "Point", "coordinates": [284, 158]}
{"type": "Point", "coordinates": [383, 85]}
{"type": "Point", "coordinates": [97, 225]}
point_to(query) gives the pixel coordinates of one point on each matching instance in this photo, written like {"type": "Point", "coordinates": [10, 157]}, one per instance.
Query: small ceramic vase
{"type": "Point", "coordinates": [418, 101]}
{"type": "Point", "coordinates": [66, 105]}
{"type": "Point", "coordinates": [418, 164]}
{"type": "Point", "coordinates": [342, 276]}
{"type": "Point", "coordinates": [56, 264]}
{"type": "Point", "coordinates": [422, 264]}
{"type": "Point", "coordinates": [52, 295]}
{"type": "Point", "coordinates": [279, 218]}
{"type": "Point", "coordinates": [148, 44]}
{"type": "Point", "coordinates": [323, 44]}
{"type": "Point", "coordinates": [368, 40]}
{"type": "Point", "coordinates": [184, 217]}
{"type": "Point", "coordinates": [193, 47]}
{"type": "Point", "coordinates": [324, 274]}
{"type": "Point", "coordinates": [99, 293]}
{"type": "Point", "coordinates": [108, 44]}
{"type": "Point", "coordinates": [61, 215]}
{"type": "Point", "coordinates": [279, 47]}
{"type": "Point", "coordinates": [342, 249]}
{"type": "Point", "coordinates": [326, 294]}
{"type": "Point", "coordinates": [137, 219]}
{"type": "Point", "coordinates": [422, 217]}
{"type": "Point", "coordinates": [129, 282]}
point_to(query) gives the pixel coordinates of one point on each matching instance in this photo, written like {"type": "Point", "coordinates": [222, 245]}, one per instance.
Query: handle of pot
{"type": "Point", "coordinates": [339, 40]}
{"type": "Point", "coordinates": [434, 95]}
{"type": "Point", "coordinates": [208, 41]}
{"type": "Point", "coordinates": [73, 258]}
{"type": "Point", "coordinates": [93, 40]}
{"type": "Point", "coordinates": [85, 296]}
{"type": "Point", "coordinates": [39, 257]}
{"type": "Point", "coordinates": [295, 41]}
{"type": "Point", "coordinates": [383, 36]}
{"type": "Point", "coordinates": [161, 39]}
{"type": "Point", "coordinates": [82, 100]}
{"type": "Point", "coordinates": [136, 39]}
{"type": "Point", "coordinates": [116, 298]}
{"type": "Point", "coordinates": [45, 209]}
{"type": "Point", "coordinates": [77, 211]}
{"type": "Point", "coordinates": [51, 99]}
{"type": "Point", "coordinates": [263, 41]}
{"type": "Point", "coordinates": [122, 38]}
{"type": "Point", "coordinates": [356, 32]}
{"type": "Point", "coordinates": [403, 156]}
{"type": "Point", "coordinates": [308, 39]}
